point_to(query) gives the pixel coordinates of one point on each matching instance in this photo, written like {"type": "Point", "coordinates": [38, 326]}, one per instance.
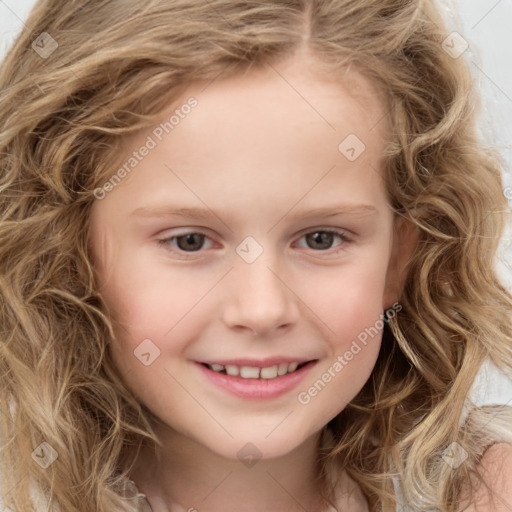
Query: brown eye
{"type": "Point", "coordinates": [185, 243]}
{"type": "Point", "coordinates": [190, 242]}
{"type": "Point", "coordinates": [325, 239]}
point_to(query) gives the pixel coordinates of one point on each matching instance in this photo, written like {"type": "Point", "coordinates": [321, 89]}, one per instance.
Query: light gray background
{"type": "Point", "coordinates": [485, 24]}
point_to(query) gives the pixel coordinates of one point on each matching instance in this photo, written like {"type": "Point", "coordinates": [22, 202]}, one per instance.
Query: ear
{"type": "Point", "coordinates": [405, 238]}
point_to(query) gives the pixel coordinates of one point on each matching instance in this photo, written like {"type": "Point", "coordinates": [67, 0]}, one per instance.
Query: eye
{"type": "Point", "coordinates": [322, 239]}
{"type": "Point", "coordinates": [188, 242]}
{"type": "Point", "coordinates": [193, 241]}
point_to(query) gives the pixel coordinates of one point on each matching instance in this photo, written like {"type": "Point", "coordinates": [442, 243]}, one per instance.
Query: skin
{"type": "Point", "coordinates": [259, 154]}
{"type": "Point", "coordinates": [494, 491]}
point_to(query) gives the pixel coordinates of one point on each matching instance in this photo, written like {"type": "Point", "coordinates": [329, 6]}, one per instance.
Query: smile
{"type": "Point", "coordinates": [250, 381]}
{"type": "Point", "coordinates": [254, 372]}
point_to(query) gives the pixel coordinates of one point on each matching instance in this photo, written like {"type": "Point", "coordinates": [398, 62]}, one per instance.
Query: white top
{"type": "Point", "coordinates": [491, 386]}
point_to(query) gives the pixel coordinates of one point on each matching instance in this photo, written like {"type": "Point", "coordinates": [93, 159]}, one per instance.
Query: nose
{"type": "Point", "coordinates": [260, 300]}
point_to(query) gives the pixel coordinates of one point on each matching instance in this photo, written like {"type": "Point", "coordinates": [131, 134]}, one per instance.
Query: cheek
{"type": "Point", "coordinates": [353, 352]}
{"type": "Point", "coordinates": [348, 299]}
{"type": "Point", "coordinates": [350, 308]}
{"type": "Point", "coordinates": [145, 296]}
{"type": "Point", "coordinates": [154, 311]}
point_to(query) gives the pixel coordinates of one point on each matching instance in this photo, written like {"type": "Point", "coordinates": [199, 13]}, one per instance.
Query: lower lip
{"type": "Point", "coordinates": [257, 388]}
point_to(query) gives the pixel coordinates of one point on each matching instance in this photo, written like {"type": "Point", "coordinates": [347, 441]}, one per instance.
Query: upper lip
{"type": "Point", "coordinates": [257, 363]}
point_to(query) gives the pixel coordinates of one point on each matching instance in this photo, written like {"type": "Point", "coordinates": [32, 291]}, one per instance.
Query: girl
{"type": "Point", "coordinates": [246, 262]}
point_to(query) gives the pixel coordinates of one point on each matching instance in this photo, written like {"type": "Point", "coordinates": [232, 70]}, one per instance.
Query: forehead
{"type": "Point", "coordinates": [272, 132]}
{"type": "Point", "coordinates": [297, 95]}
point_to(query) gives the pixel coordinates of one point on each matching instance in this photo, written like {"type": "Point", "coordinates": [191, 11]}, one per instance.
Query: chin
{"type": "Point", "coordinates": [250, 445]}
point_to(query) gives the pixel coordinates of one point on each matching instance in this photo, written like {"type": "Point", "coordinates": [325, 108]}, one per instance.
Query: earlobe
{"type": "Point", "coordinates": [405, 239]}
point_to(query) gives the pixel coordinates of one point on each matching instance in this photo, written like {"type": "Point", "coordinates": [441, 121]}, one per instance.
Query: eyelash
{"type": "Point", "coordinates": [166, 242]}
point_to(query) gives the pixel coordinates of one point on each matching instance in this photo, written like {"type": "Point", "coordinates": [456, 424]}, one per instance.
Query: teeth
{"type": "Point", "coordinates": [269, 373]}
{"type": "Point", "coordinates": [249, 372]}
{"type": "Point", "coordinates": [292, 367]}
{"type": "Point", "coordinates": [282, 369]}
{"type": "Point", "coordinates": [232, 370]}
{"type": "Point", "coordinates": [252, 372]}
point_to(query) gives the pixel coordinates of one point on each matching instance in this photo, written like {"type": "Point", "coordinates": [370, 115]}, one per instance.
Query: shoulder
{"type": "Point", "coordinates": [494, 492]}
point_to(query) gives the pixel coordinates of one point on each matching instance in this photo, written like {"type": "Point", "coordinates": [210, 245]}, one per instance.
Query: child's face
{"type": "Point", "coordinates": [258, 155]}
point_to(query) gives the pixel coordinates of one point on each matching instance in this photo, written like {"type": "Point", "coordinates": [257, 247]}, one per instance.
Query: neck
{"type": "Point", "coordinates": [185, 475]}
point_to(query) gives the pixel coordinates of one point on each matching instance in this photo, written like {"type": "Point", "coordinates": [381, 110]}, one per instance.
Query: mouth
{"type": "Point", "coordinates": [270, 379]}
{"type": "Point", "coordinates": [256, 372]}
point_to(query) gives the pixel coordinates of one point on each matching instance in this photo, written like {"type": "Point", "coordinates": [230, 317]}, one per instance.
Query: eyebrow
{"type": "Point", "coordinates": [165, 211]}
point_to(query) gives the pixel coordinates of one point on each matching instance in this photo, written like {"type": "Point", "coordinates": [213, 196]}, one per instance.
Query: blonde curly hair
{"type": "Point", "coordinates": [118, 64]}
